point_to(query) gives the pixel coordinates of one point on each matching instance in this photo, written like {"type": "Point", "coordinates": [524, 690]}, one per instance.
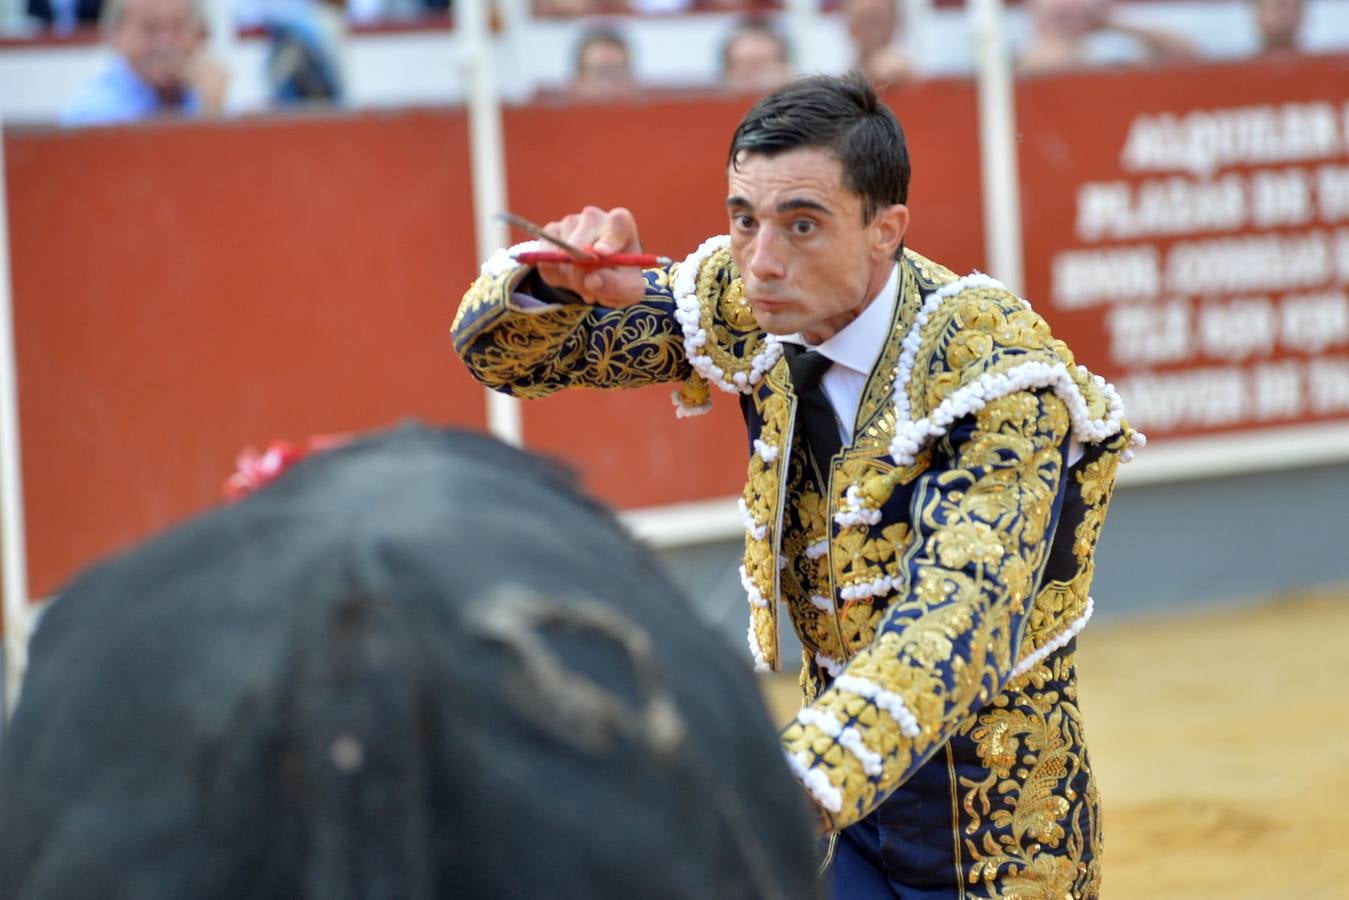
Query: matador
{"type": "Point", "coordinates": [934, 555]}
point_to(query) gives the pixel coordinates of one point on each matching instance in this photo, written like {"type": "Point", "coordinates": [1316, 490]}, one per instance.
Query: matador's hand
{"type": "Point", "coordinates": [603, 232]}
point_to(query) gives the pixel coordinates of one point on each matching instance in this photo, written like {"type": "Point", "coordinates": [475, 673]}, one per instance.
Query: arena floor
{"type": "Point", "coordinates": [1221, 743]}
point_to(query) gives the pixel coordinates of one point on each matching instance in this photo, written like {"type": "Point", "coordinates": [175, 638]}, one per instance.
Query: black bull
{"type": "Point", "coordinates": [419, 665]}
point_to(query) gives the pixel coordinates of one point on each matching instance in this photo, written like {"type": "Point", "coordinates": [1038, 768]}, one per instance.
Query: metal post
{"type": "Point", "coordinates": [997, 145]}
{"type": "Point", "coordinates": [488, 170]}
{"type": "Point", "coordinates": [14, 554]}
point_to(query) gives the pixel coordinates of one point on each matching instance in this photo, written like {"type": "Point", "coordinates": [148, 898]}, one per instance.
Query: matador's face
{"type": "Point", "coordinates": [808, 262]}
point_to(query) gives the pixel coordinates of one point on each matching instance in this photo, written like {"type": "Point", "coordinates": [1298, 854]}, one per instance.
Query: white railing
{"type": "Point", "coordinates": [13, 553]}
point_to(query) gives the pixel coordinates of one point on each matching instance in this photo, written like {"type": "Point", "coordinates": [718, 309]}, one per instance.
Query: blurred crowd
{"type": "Point", "coordinates": [159, 63]}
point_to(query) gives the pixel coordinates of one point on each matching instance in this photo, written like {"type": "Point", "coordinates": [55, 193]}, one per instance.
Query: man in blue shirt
{"type": "Point", "coordinates": [159, 67]}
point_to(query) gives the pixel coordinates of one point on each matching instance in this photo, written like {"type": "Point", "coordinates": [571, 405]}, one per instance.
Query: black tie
{"type": "Point", "coordinates": [815, 417]}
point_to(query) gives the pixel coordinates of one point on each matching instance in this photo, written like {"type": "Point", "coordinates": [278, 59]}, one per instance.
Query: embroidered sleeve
{"type": "Point", "coordinates": [973, 340]}
{"type": "Point", "coordinates": [536, 351]}
{"type": "Point", "coordinates": [982, 516]}
{"type": "Point", "coordinates": [693, 324]}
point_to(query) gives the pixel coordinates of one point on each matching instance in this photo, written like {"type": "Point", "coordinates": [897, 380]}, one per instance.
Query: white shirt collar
{"type": "Point", "coordinates": [858, 344]}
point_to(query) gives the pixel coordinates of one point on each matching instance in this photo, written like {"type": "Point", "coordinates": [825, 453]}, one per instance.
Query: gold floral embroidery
{"type": "Point", "coordinates": [1096, 480]}
{"type": "Point", "coordinates": [817, 629]}
{"type": "Point", "coordinates": [968, 543]}
{"type": "Point", "coordinates": [538, 352]}
{"type": "Point", "coordinates": [859, 620]}
{"type": "Point", "coordinates": [966, 348]}
{"type": "Point", "coordinates": [1062, 601]}
{"type": "Point", "coordinates": [809, 686]}
{"type": "Point", "coordinates": [695, 393]}
{"type": "Point", "coordinates": [943, 647]}
{"type": "Point", "coordinates": [762, 492]}
{"type": "Point", "coordinates": [481, 295]}
{"type": "Point", "coordinates": [806, 586]}
{"type": "Point", "coordinates": [764, 624]}
{"type": "Point", "coordinates": [733, 336]}
{"type": "Point", "coordinates": [855, 557]}
{"type": "Point", "coordinates": [735, 308]}
{"type": "Point", "coordinates": [932, 274]}
{"type": "Point", "coordinates": [985, 330]}
{"type": "Point", "coordinates": [813, 512]}
{"type": "Point", "coordinates": [1038, 799]}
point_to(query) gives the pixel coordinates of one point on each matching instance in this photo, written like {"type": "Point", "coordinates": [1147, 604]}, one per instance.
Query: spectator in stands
{"type": "Point", "coordinates": [603, 66]}
{"type": "Point", "coordinates": [366, 12]}
{"type": "Point", "coordinates": [304, 60]}
{"type": "Point", "coordinates": [875, 29]}
{"type": "Point", "coordinates": [159, 68]}
{"type": "Point", "coordinates": [1280, 25]}
{"type": "Point", "coordinates": [1068, 34]}
{"type": "Point", "coordinates": [64, 15]}
{"type": "Point", "coordinates": [755, 58]}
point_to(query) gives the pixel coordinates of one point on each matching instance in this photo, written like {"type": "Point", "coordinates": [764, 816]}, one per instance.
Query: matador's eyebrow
{"type": "Point", "coordinates": [786, 206]}
{"type": "Point", "coordinates": [800, 203]}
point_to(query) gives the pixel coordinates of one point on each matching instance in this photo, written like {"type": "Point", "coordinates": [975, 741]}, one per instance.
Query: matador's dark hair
{"type": "Point", "coordinates": [841, 114]}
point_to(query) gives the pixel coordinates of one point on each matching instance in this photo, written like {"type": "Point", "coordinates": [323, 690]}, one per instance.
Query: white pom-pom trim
{"type": "Point", "coordinates": [818, 549]}
{"type": "Point", "coordinates": [871, 761]}
{"type": "Point", "coordinates": [887, 701]}
{"type": "Point", "coordinates": [911, 437]}
{"type": "Point", "coordinates": [1137, 439]}
{"type": "Point", "coordinates": [849, 738]}
{"type": "Point", "coordinates": [856, 510]}
{"type": "Point", "coordinates": [751, 589]}
{"type": "Point", "coordinates": [816, 782]}
{"type": "Point", "coordinates": [912, 340]}
{"type": "Point", "coordinates": [1062, 640]}
{"type": "Point", "coordinates": [760, 662]}
{"type": "Point", "coordinates": [683, 410]}
{"type": "Point", "coordinates": [753, 527]}
{"type": "Point", "coordinates": [878, 588]}
{"type": "Point", "coordinates": [688, 312]}
{"type": "Point", "coordinates": [825, 721]}
{"type": "Point", "coordinates": [829, 664]}
{"type": "Point", "coordinates": [502, 261]}
{"type": "Point", "coordinates": [823, 604]}
{"type": "Point", "coordinates": [767, 452]}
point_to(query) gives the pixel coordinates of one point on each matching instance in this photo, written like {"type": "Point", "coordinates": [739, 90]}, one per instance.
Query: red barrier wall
{"type": "Point", "coordinates": [182, 291]}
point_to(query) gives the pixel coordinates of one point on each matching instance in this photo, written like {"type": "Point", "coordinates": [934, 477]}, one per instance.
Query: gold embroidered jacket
{"type": "Point", "coordinates": [936, 575]}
